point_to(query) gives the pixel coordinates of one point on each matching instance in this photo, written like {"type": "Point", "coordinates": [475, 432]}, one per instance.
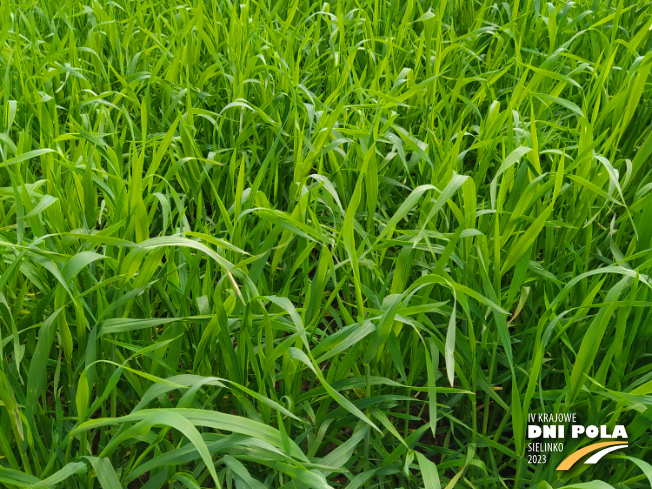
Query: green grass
{"type": "Point", "coordinates": [303, 244]}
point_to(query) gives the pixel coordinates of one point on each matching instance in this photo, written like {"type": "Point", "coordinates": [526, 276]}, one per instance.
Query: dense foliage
{"type": "Point", "coordinates": [304, 244]}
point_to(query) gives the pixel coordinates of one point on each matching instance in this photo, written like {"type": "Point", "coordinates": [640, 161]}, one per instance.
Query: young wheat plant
{"type": "Point", "coordinates": [302, 244]}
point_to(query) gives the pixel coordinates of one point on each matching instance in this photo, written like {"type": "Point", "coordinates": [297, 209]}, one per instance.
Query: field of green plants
{"type": "Point", "coordinates": [301, 244]}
